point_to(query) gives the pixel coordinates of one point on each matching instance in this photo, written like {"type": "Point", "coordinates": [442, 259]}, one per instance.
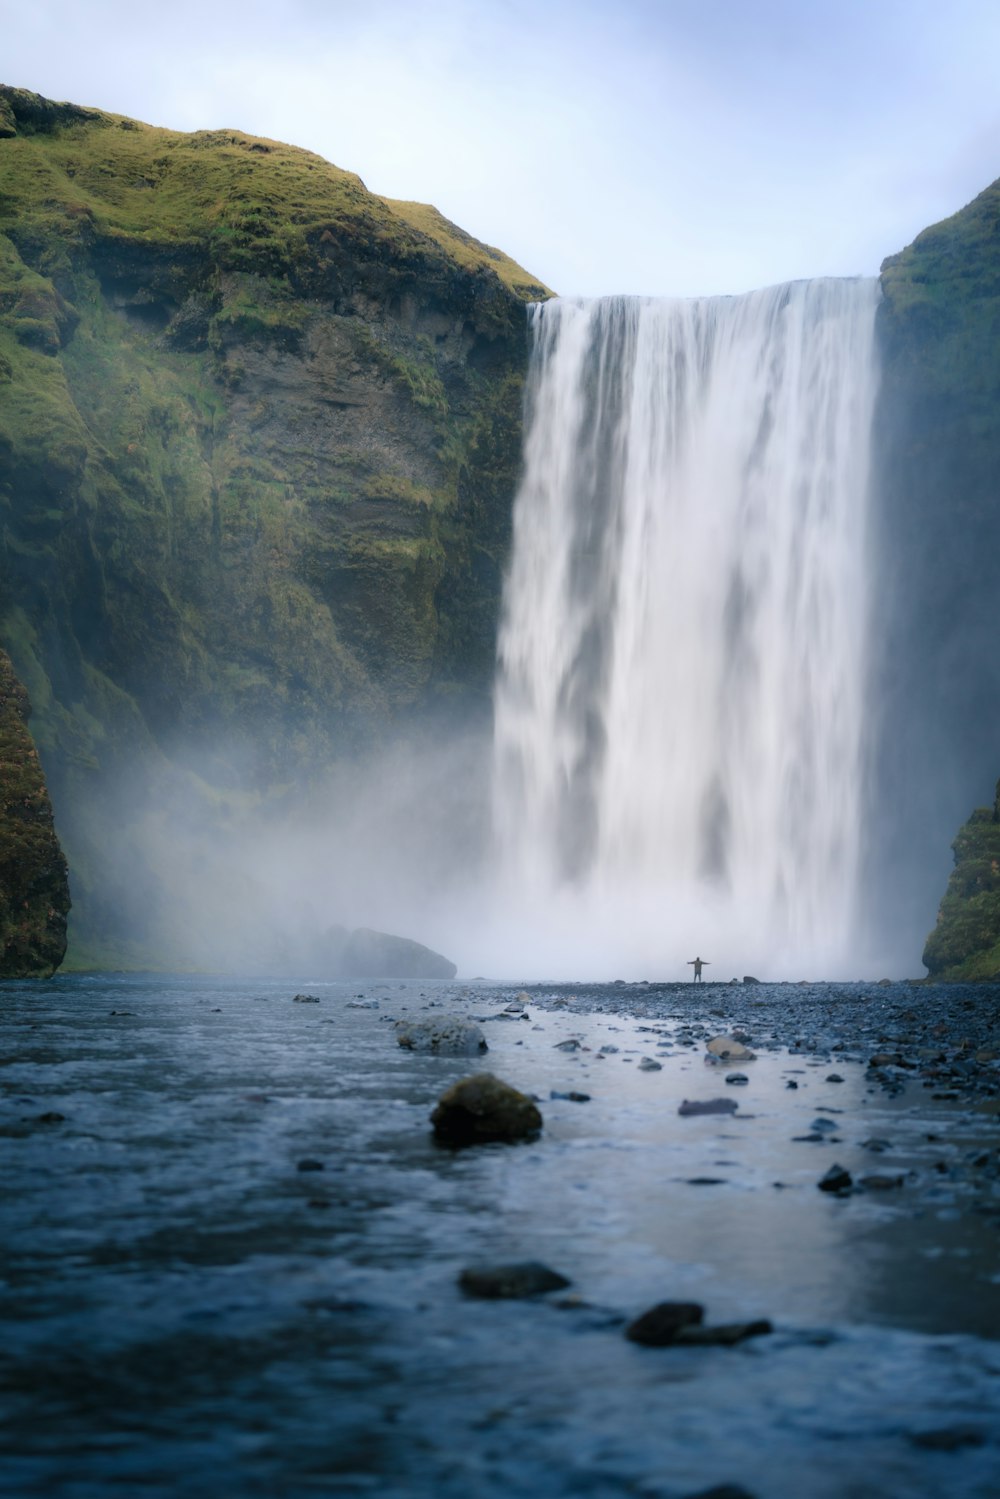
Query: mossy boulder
{"type": "Point", "coordinates": [482, 1109]}
{"type": "Point", "coordinates": [34, 885]}
{"type": "Point", "coordinates": [965, 944]}
{"type": "Point", "coordinates": [259, 439]}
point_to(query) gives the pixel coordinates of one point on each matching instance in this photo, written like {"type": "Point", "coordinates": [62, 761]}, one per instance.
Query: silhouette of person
{"type": "Point", "coordinates": [698, 964]}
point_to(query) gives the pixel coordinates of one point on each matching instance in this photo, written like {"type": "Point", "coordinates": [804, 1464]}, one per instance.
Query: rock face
{"type": "Point", "coordinates": [34, 886]}
{"type": "Point", "coordinates": [936, 704]}
{"type": "Point", "coordinates": [965, 944]}
{"type": "Point", "coordinates": [369, 954]}
{"type": "Point", "coordinates": [481, 1109]}
{"type": "Point", "coordinates": [259, 438]}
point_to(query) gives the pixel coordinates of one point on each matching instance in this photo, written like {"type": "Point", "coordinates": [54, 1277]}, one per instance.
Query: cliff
{"type": "Point", "coordinates": [936, 639]}
{"type": "Point", "coordinates": [965, 944]}
{"type": "Point", "coordinates": [259, 437]}
{"type": "Point", "coordinates": [34, 888]}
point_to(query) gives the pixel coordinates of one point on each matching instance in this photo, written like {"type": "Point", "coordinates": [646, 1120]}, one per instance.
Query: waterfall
{"type": "Point", "coordinates": [680, 693]}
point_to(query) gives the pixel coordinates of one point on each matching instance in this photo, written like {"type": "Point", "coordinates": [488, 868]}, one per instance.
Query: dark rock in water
{"type": "Point", "coordinates": [791, 1083]}
{"type": "Point", "coordinates": [725, 1335]}
{"type": "Point", "coordinates": [511, 1282]}
{"type": "Point", "coordinates": [722, 1491]}
{"type": "Point", "coordinates": [570, 1097]}
{"type": "Point", "coordinates": [648, 1064]}
{"type": "Point", "coordinates": [880, 1183]}
{"type": "Point", "coordinates": [728, 1049]}
{"type": "Point", "coordinates": [878, 1146]}
{"type": "Point", "coordinates": [571, 1045]}
{"type": "Point", "coordinates": [691, 1107]}
{"type": "Point", "coordinates": [835, 1180]}
{"type": "Point", "coordinates": [379, 955]}
{"type": "Point", "coordinates": [305, 999]}
{"type": "Point", "coordinates": [948, 1438]}
{"type": "Point", "coordinates": [34, 884]}
{"type": "Point", "coordinates": [308, 1164]}
{"type": "Point", "coordinates": [737, 1079]}
{"type": "Point", "coordinates": [451, 1035]}
{"type": "Point", "coordinates": [479, 1109]}
{"type": "Point", "coordinates": [659, 1326]}
{"type": "Point", "coordinates": [834, 1077]}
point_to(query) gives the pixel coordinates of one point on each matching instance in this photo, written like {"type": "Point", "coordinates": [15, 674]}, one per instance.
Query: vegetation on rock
{"type": "Point", "coordinates": [936, 664]}
{"type": "Point", "coordinates": [259, 437]}
{"type": "Point", "coordinates": [965, 944]}
{"type": "Point", "coordinates": [34, 889]}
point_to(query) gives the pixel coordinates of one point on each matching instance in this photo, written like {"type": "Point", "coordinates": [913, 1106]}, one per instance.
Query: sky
{"type": "Point", "coordinates": [678, 148]}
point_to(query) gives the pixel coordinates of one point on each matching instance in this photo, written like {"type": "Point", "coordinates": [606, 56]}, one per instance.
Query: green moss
{"type": "Point", "coordinates": [965, 944]}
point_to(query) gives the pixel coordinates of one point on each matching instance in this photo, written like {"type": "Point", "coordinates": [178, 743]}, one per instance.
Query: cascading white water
{"type": "Point", "coordinates": [680, 691]}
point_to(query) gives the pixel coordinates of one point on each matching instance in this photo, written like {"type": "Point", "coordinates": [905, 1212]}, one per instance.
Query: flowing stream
{"type": "Point", "coordinates": [680, 699]}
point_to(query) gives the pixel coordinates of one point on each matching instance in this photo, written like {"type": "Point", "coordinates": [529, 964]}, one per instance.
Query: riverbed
{"type": "Point", "coordinates": [231, 1246]}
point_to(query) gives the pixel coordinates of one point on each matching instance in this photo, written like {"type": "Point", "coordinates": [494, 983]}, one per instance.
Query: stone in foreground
{"type": "Point", "coordinates": [725, 1335]}
{"type": "Point", "coordinates": [450, 1036]}
{"type": "Point", "coordinates": [728, 1049]}
{"type": "Point", "coordinates": [480, 1109]}
{"type": "Point", "coordinates": [511, 1282]}
{"type": "Point", "coordinates": [692, 1106]}
{"type": "Point", "coordinates": [837, 1179]}
{"type": "Point", "coordinates": [661, 1324]}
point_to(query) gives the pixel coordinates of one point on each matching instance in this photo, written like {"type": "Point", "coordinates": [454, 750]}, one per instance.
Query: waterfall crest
{"type": "Point", "coordinates": [679, 704]}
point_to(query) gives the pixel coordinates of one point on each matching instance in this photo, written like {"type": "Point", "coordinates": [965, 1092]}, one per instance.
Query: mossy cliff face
{"type": "Point", "coordinates": [34, 887]}
{"type": "Point", "coordinates": [936, 635]}
{"type": "Point", "coordinates": [965, 944]}
{"type": "Point", "coordinates": [259, 436]}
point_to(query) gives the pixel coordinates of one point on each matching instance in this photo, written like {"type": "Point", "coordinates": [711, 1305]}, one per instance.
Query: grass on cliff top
{"type": "Point", "coordinates": [76, 173]}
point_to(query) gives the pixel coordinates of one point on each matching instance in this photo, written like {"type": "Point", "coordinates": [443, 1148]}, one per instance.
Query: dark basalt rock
{"type": "Point", "coordinates": [34, 884]}
{"type": "Point", "coordinates": [480, 1109]}
{"type": "Point", "coordinates": [660, 1325]}
{"type": "Point", "coordinates": [511, 1282]}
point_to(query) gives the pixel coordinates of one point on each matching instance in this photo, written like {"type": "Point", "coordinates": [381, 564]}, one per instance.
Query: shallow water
{"type": "Point", "coordinates": [185, 1311]}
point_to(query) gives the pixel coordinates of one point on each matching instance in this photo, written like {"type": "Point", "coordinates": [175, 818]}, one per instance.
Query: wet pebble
{"type": "Point", "coordinates": [647, 1064]}
{"type": "Point", "coordinates": [570, 1097]}
{"type": "Point", "coordinates": [307, 999]}
{"type": "Point", "coordinates": [837, 1179]}
{"type": "Point", "coordinates": [737, 1079]}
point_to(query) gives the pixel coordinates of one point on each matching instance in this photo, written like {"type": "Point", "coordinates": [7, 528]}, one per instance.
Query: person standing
{"type": "Point", "coordinates": [698, 964]}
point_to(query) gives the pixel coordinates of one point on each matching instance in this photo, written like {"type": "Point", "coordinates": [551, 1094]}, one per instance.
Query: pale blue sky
{"type": "Point", "coordinates": [670, 148]}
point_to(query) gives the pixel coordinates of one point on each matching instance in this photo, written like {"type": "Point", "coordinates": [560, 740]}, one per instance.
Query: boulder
{"type": "Point", "coordinates": [728, 1049]}
{"type": "Point", "coordinates": [511, 1282]}
{"type": "Point", "coordinates": [661, 1324]}
{"type": "Point", "coordinates": [449, 1036]}
{"type": "Point", "coordinates": [482, 1108]}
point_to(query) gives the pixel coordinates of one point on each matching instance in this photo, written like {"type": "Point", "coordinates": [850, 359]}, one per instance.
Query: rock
{"type": "Point", "coordinates": [570, 1045]}
{"type": "Point", "coordinates": [305, 999]}
{"type": "Point", "coordinates": [308, 1164]}
{"type": "Point", "coordinates": [880, 1183]}
{"type": "Point", "coordinates": [691, 1107]}
{"type": "Point", "coordinates": [823, 1126]}
{"type": "Point", "coordinates": [748, 978]}
{"type": "Point", "coordinates": [725, 1335]}
{"type": "Point", "coordinates": [878, 1146]}
{"type": "Point", "coordinates": [647, 1064]}
{"type": "Point", "coordinates": [570, 1097]}
{"type": "Point", "coordinates": [834, 1077]}
{"type": "Point", "coordinates": [522, 998]}
{"type": "Point", "coordinates": [948, 1438]}
{"type": "Point", "coordinates": [659, 1326]}
{"type": "Point", "coordinates": [728, 1049]}
{"type": "Point", "coordinates": [737, 1079]}
{"type": "Point", "coordinates": [835, 1180]}
{"type": "Point", "coordinates": [371, 954]}
{"type": "Point", "coordinates": [482, 1108]}
{"type": "Point", "coordinates": [449, 1036]}
{"type": "Point", "coordinates": [511, 1282]}
{"type": "Point", "coordinates": [34, 884]}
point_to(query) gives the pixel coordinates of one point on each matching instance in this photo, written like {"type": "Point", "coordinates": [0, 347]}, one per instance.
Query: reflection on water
{"type": "Point", "coordinates": [186, 1310]}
